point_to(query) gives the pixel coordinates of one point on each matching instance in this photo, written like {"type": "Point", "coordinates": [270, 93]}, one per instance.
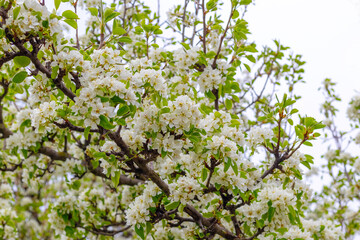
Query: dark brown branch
{"type": "Point", "coordinates": [33, 57]}
{"type": "Point", "coordinates": [70, 126]}
{"type": "Point", "coordinates": [183, 18]}
{"type": "Point", "coordinates": [222, 39]}
{"type": "Point", "coordinates": [54, 155]}
{"type": "Point", "coordinates": [204, 26]}
{"type": "Point", "coordinates": [4, 12]}
{"type": "Point", "coordinates": [8, 57]}
{"type": "Point", "coordinates": [105, 232]}
{"type": "Point", "coordinates": [217, 228]}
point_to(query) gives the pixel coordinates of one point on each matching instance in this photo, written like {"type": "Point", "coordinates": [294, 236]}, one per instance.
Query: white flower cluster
{"type": "Point", "coordinates": [30, 19]}
{"type": "Point", "coordinates": [176, 13]}
{"type": "Point", "coordinates": [105, 58]}
{"type": "Point", "coordinates": [43, 116]}
{"type": "Point", "coordinates": [40, 90]}
{"type": "Point", "coordinates": [88, 106]}
{"type": "Point", "coordinates": [4, 45]}
{"type": "Point", "coordinates": [357, 165]}
{"type": "Point", "coordinates": [184, 189]}
{"type": "Point", "coordinates": [258, 135]}
{"type": "Point", "coordinates": [164, 166]}
{"type": "Point", "coordinates": [152, 77]}
{"type": "Point", "coordinates": [169, 144]}
{"type": "Point", "coordinates": [180, 85]}
{"type": "Point", "coordinates": [92, 3]}
{"type": "Point", "coordinates": [132, 139]}
{"type": "Point", "coordinates": [357, 138]}
{"type": "Point", "coordinates": [245, 179]}
{"type": "Point", "coordinates": [330, 232]}
{"type": "Point", "coordinates": [70, 164]}
{"type": "Point", "coordinates": [8, 231]}
{"type": "Point", "coordinates": [179, 116]}
{"type": "Point", "coordinates": [210, 79]}
{"type": "Point", "coordinates": [186, 58]}
{"type": "Point", "coordinates": [215, 121]}
{"type": "Point", "coordinates": [353, 111]}
{"type": "Point", "coordinates": [138, 211]}
{"type": "Point", "coordinates": [280, 198]}
{"type": "Point", "coordinates": [294, 162]}
{"type": "Point", "coordinates": [23, 140]}
{"type": "Point", "coordinates": [155, 54]}
{"type": "Point", "coordinates": [295, 232]}
{"type": "Point", "coordinates": [162, 232]}
{"type": "Point", "coordinates": [184, 113]}
{"type": "Point", "coordinates": [68, 60]}
{"type": "Point", "coordinates": [5, 190]}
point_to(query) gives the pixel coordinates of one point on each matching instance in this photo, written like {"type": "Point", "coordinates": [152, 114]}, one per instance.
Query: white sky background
{"type": "Point", "coordinates": [325, 32]}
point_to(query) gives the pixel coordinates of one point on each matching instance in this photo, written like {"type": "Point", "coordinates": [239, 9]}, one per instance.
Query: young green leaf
{"type": "Point", "coordinates": [20, 77]}
{"type": "Point", "coordinates": [104, 122]}
{"type": "Point", "coordinates": [68, 14]}
{"type": "Point", "coordinates": [23, 61]}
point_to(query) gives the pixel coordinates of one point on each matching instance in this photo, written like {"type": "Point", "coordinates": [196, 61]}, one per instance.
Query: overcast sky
{"type": "Point", "coordinates": [325, 32]}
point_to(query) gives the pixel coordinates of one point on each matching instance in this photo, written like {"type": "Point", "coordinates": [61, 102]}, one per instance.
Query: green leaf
{"type": "Point", "coordinates": [251, 48]}
{"type": "Point", "coordinates": [16, 12]}
{"type": "Point", "coordinates": [172, 206]}
{"type": "Point", "coordinates": [71, 22]}
{"type": "Point", "coordinates": [23, 61]}
{"type": "Point", "coordinates": [204, 174]}
{"type": "Point", "coordinates": [228, 104]}
{"type": "Point", "coordinates": [290, 121]}
{"type": "Point", "coordinates": [211, 4]}
{"type": "Point", "coordinates": [26, 123]}
{"type": "Point", "coordinates": [297, 173]}
{"type": "Point", "coordinates": [125, 40]}
{"type": "Point", "coordinates": [76, 184]}
{"type": "Point", "coordinates": [68, 14]}
{"type": "Point", "coordinates": [185, 45]}
{"type": "Point", "coordinates": [116, 178]}
{"type": "Point", "coordinates": [211, 54]}
{"type": "Point", "coordinates": [94, 11]}
{"type": "Point", "coordinates": [247, 67]}
{"type": "Point", "coordinates": [149, 226]}
{"type": "Point", "coordinates": [139, 229]}
{"type": "Point", "coordinates": [54, 71]}
{"type": "Point", "coordinates": [281, 230]}
{"type": "Point", "coordinates": [235, 14]}
{"type": "Point", "coordinates": [210, 95]}
{"type": "Point", "coordinates": [227, 165]}
{"type": "Point", "coordinates": [86, 132]}
{"type": "Point", "coordinates": [123, 110]}
{"type": "Point", "coordinates": [110, 14]}
{"type": "Point", "coordinates": [158, 32]}
{"type": "Point", "coordinates": [245, 2]}
{"type": "Point", "coordinates": [307, 143]}
{"type": "Point", "coordinates": [104, 122]}
{"type": "Point", "coordinates": [57, 4]}
{"type": "Point", "coordinates": [271, 213]}
{"type": "Point", "coordinates": [251, 58]}
{"type": "Point", "coordinates": [306, 164]}
{"type": "Point", "coordinates": [118, 30]}
{"type": "Point", "coordinates": [20, 77]}
{"type": "Point", "coordinates": [69, 231]}
{"type": "Point", "coordinates": [293, 111]}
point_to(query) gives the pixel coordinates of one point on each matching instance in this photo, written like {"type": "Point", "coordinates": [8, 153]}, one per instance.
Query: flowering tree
{"type": "Point", "coordinates": [149, 129]}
